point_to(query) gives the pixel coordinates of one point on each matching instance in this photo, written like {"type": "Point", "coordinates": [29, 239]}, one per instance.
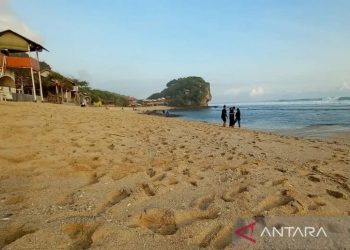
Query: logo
{"type": "Point", "coordinates": [296, 232]}
{"type": "Point", "coordinates": [241, 232]}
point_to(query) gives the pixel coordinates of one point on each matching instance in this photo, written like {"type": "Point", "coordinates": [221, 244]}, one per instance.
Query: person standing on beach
{"type": "Point", "coordinates": [224, 115]}
{"type": "Point", "coordinates": [238, 118]}
{"type": "Point", "coordinates": [232, 117]}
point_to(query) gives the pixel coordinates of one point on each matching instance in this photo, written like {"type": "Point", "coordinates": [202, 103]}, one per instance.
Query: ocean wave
{"type": "Point", "coordinates": [323, 99]}
{"type": "Point", "coordinates": [343, 100]}
{"type": "Point", "coordinates": [324, 125]}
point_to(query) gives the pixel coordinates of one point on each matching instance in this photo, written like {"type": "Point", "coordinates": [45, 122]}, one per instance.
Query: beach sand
{"type": "Point", "coordinates": [76, 178]}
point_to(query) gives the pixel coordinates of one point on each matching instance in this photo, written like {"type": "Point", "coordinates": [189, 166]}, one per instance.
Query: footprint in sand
{"type": "Point", "coordinates": [149, 189]}
{"type": "Point", "coordinates": [208, 236]}
{"type": "Point", "coordinates": [194, 183]}
{"type": "Point", "coordinates": [14, 232]}
{"type": "Point", "coordinates": [15, 199]}
{"type": "Point", "coordinates": [335, 194]}
{"type": "Point", "coordinates": [313, 178]}
{"type": "Point", "coordinates": [341, 177]}
{"type": "Point", "coordinates": [279, 182]}
{"type": "Point", "coordinates": [316, 205]}
{"type": "Point", "coordinates": [150, 172]}
{"type": "Point", "coordinates": [215, 236]}
{"type": "Point", "coordinates": [244, 172]}
{"type": "Point", "coordinates": [114, 198]}
{"type": "Point", "coordinates": [160, 221]}
{"type": "Point", "coordinates": [229, 196]}
{"type": "Point", "coordinates": [272, 201]}
{"type": "Point", "coordinates": [80, 233]}
{"type": "Point", "coordinates": [167, 221]}
{"type": "Point", "coordinates": [117, 196]}
{"type": "Point", "coordinates": [281, 170]}
{"type": "Point", "coordinates": [159, 177]}
{"type": "Point", "coordinates": [203, 202]}
{"type": "Point", "coordinates": [173, 181]}
{"type": "Point", "coordinates": [186, 172]}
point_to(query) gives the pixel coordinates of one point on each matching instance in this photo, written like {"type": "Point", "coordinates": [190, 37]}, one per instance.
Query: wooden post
{"type": "Point", "coordinates": [41, 87]}
{"type": "Point", "coordinates": [31, 72]}
{"type": "Point", "coordinates": [62, 94]}
{"type": "Point", "coordinates": [56, 93]}
{"type": "Point", "coordinates": [22, 88]}
{"type": "Point", "coordinates": [32, 75]}
{"type": "Point", "coordinates": [3, 65]}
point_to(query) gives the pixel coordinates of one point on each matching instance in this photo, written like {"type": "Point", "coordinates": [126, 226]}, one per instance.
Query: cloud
{"type": "Point", "coordinates": [257, 91]}
{"type": "Point", "coordinates": [9, 20]}
{"type": "Point", "coordinates": [345, 86]}
{"type": "Point", "coordinates": [233, 92]}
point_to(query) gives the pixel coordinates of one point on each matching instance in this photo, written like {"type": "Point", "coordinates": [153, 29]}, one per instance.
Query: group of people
{"type": "Point", "coordinates": [234, 116]}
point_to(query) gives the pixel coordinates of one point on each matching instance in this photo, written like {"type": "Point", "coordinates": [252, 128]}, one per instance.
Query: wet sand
{"type": "Point", "coordinates": [77, 178]}
{"type": "Point", "coordinates": [326, 133]}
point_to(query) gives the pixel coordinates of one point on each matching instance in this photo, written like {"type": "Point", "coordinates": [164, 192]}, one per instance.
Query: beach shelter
{"type": "Point", "coordinates": [12, 42]}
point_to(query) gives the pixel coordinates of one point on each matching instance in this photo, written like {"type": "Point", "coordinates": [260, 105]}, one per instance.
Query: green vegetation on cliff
{"type": "Point", "coordinates": [189, 91]}
{"type": "Point", "coordinates": [106, 97]}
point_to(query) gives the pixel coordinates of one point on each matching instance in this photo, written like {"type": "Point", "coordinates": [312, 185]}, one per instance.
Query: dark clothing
{"type": "Point", "coordinates": [232, 118]}
{"type": "Point", "coordinates": [238, 115]}
{"type": "Point", "coordinates": [224, 115]}
{"type": "Point", "coordinates": [238, 118]}
{"type": "Point", "coordinates": [238, 121]}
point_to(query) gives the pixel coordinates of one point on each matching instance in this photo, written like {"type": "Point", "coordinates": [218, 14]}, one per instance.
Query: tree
{"type": "Point", "coordinates": [44, 66]}
{"type": "Point", "coordinates": [189, 91]}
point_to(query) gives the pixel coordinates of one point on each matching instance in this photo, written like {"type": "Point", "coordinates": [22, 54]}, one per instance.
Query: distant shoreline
{"type": "Point", "coordinates": [321, 132]}
{"type": "Point", "coordinates": [159, 113]}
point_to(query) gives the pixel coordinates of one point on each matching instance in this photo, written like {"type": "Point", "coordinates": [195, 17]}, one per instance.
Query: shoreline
{"type": "Point", "coordinates": [321, 133]}
{"type": "Point", "coordinates": [73, 177]}
{"type": "Point", "coordinates": [317, 132]}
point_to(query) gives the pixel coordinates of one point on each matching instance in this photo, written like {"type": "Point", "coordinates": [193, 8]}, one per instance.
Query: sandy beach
{"type": "Point", "coordinates": [97, 178]}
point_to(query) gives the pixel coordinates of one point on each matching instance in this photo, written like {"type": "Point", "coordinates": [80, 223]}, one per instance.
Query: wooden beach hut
{"type": "Point", "coordinates": [10, 44]}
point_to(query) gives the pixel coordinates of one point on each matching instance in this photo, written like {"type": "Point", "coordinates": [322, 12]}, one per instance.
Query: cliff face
{"type": "Point", "coordinates": [186, 92]}
{"type": "Point", "coordinates": [207, 98]}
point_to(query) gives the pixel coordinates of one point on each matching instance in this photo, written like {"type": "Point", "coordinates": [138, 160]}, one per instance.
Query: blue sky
{"type": "Point", "coordinates": [247, 50]}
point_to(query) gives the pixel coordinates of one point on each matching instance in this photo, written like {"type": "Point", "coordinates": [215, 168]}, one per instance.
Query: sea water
{"type": "Point", "coordinates": [313, 118]}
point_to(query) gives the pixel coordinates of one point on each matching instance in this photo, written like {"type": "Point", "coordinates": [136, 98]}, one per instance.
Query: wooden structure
{"type": "Point", "coordinates": [12, 42]}
{"type": "Point", "coordinates": [155, 102]}
{"type": "Point", "coordinates": [59, 92]}
{"type": "Point", "coordinates": [132, 101]}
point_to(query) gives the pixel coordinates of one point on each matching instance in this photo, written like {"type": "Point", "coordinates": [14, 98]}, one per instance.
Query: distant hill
{"type": "Point", "coordinates": [106, 97]}
{"type": "Point", "coordinates": [186, 92]}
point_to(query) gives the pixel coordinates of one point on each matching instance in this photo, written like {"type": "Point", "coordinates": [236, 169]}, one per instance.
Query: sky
{"type": "Point", "coordinates": [248, 50]}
